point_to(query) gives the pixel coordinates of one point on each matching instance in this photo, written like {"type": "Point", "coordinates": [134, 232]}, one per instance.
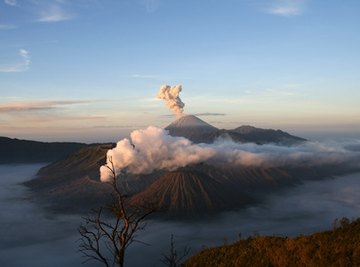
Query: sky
{"type": "Point", "coordinates": [89, 70]}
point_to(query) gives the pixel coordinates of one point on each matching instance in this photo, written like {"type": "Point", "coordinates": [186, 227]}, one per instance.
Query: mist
{"type": "Point", "coordinates": [33, 237]}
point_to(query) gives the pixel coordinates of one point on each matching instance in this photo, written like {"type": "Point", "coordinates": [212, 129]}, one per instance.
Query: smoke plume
{"type": "Point", "coordinates": [172, 99]}
{"type": "Point", "coordinates": [154, 149]}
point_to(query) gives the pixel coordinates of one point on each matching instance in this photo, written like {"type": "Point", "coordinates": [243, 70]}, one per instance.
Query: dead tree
{"type": "Point", "coordinates": [174, 259]}
{"type": "Point", "coordinates": [106, 235]}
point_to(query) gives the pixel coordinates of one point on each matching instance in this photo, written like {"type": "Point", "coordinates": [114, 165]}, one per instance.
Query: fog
{"type": "Point", "coordinates": [32, 237]}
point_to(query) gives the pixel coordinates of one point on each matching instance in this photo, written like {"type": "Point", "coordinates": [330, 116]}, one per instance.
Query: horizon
{"type": "Point", "coordinates": [312, 135]}
{"type": "Point", "coordinates": [88, 71]}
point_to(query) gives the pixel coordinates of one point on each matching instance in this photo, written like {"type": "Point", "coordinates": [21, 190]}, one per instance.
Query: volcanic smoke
{"type": "Point", "coordinates": [172, 99]}
{"type": "Point", "coordinates": [154, 148]}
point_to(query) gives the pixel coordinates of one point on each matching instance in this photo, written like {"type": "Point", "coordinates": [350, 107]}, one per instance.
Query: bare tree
{"type": "Point", "coordinates": [173, 259]}
{"type": "Point", "coordinates": [113, 228]}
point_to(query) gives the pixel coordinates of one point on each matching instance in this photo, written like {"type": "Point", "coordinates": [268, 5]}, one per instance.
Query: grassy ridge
{"type": "Point", "coordinates": [338, 247]}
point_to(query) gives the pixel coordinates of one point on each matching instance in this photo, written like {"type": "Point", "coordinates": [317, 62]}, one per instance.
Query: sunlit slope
{"type": "Point", "coordinates": [338, 247]}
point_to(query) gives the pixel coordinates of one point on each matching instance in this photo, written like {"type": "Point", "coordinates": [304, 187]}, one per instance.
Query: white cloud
{"type": "Point", "coordinates": [287, 8]}
{"type": "Point", "coordinates": [19, 67]}
{"type": "Point", "coordinates": [10, 2]}
{"type": "Point", "coordinates": [151, 5]}
{"type": "Point", "coordinates": [54, 13]}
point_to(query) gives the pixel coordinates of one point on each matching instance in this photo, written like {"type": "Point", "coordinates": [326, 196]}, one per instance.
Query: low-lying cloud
{"type": "Point", "coordinates": [305, 209]}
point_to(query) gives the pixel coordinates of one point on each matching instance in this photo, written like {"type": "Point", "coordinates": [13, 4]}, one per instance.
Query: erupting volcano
{"type": "Point", "coordinates": [190, 168]}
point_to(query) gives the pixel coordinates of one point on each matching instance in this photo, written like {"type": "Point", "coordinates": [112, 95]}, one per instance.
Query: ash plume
{"type": "Point", "coordinates": [172, 99]}
{"type": "Point", "coordinates": [154, 148]}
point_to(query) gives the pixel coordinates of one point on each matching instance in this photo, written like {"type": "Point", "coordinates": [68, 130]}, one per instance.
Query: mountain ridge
{"type": "Point", "coordinates": [199, 131]}
{"type": "Point", "coordinates": [15, 150]}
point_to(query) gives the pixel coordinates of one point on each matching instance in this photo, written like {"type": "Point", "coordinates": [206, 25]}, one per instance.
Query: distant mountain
{"type": "Point", "coordinates": [251, 134]}
{"type": "Point", "coordinates": [199, 131]}
{"type": "Point", "coordinates": [192, 128]}
{"type": "Point", "coordinates": [25, 151]}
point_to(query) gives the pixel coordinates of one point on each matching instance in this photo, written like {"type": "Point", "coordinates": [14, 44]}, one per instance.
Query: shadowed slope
{"type": "Point", "coordinates": [188, 193]}
{"type": "Point", "coordinates": [25, 151]}
{"type": "Point", "coordinates": [193, 128]}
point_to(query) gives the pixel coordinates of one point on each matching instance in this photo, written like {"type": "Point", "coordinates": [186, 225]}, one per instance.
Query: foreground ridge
{"type": "Point", "coordinates": [337, 247]}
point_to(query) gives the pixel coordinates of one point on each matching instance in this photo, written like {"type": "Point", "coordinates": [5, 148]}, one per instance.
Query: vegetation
{"type": "Point", "coordinates": [338, 247]}
{"type": "Point", "coordinates": [174, 258]}
{"type": "Point", "coordinates": [105, 238]}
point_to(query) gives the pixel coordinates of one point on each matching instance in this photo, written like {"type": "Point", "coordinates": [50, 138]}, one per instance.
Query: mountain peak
{"type": "Point", "coordinates": [193, 128]}
{"type": "Point", "coordinates": [190, 121]}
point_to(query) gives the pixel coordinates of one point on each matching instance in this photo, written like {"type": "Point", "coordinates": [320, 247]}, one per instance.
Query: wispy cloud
{"type": "Point", "coordinates": [151, 5]}
{"type": "Point", "coordinates": [287, 8]}
{"type": "Point", "coordinates": [195, 114]}
{"type": "Point", "coordinates": [209, 114]}
{"type": "Point", "coordinates": [10, 2]}
{"type": "Point", "coordinates": [7, 26]}
{"type": "Point", "coordinates": [18, 67]}
{"type": "Point", "coordinates": [36, 105]}
{"type": "Point", "coordinates": [54, 13]}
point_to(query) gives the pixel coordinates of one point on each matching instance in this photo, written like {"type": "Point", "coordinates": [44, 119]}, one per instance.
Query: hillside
{"type": "Point", "coordinates": [25, 151]}
{"type": "Point", "coordinates": [338, 247]}
{"type": "Point", "coordinates": [72, 184]}
{"type": "Point", "coordinates": [190, 193]}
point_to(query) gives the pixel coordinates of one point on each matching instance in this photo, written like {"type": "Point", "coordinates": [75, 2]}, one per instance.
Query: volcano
{"type": "Point", "coordinates": [190, 191]}
{"type": "Point", "coordinates": [195, 191]}
{"type": "Point", "coordinates": [199, 131]}
{"type": "Point", "coordinates": [193, 128]}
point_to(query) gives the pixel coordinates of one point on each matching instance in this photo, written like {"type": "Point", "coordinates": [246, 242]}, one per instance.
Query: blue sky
{"type": "Point", "coordinates": [89, 70]}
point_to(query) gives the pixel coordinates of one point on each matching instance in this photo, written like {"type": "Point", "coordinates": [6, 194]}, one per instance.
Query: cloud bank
{"type": "Point", "coordinates": [36, 105]}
